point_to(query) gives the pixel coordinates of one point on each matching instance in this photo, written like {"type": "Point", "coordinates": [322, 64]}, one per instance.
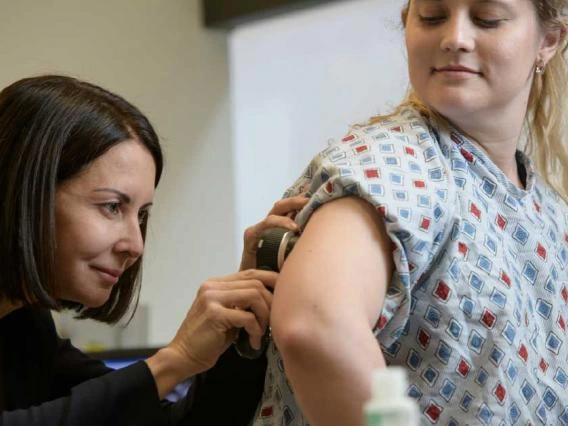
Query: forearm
{"type": "Point", "coordinates": [329, 369]}
{"type": "Point", "coordinates": [123, 397]}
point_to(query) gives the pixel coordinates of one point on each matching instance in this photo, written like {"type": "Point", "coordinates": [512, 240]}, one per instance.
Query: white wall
{"type": "Point", "coordinates": [301, 79]}
{"type": "Point", "coordinates": [157, 55]}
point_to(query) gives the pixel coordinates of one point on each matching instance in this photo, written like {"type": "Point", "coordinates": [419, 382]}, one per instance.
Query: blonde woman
{"type": "Point", "coordinates": [436, 237]}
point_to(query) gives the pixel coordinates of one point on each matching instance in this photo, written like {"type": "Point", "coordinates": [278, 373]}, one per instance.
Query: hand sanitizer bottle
{"type": "Point", "coordinates": [389, 404]}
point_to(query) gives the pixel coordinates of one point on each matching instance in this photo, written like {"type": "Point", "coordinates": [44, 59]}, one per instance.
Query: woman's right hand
{"type": "Point", "coordinates": [221, 307]}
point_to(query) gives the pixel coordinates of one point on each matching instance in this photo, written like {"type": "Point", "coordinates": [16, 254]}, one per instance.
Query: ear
{"type": "Point", "coordinates": [553, 38]}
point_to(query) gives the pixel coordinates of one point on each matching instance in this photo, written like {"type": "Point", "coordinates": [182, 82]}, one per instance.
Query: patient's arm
{"type": "Point", "coordinates": [328, 297]}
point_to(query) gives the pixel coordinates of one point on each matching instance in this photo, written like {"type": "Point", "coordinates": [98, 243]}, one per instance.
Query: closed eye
{"type": "Point", "coordinates": [489, 23]}
{"type": "Point", "coordinates": [431, 20]}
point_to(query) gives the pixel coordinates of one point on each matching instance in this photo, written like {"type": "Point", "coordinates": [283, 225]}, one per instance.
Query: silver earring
{"type": "Point", "coordinates": [539, 69]}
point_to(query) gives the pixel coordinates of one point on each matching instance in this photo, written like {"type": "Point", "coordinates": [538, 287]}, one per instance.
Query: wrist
{"type": "Point", "coordinates": [168, 370]}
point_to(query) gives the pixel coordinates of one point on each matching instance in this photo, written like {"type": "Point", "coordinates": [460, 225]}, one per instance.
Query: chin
{"type": "Point", "coordinates": [96, 303]}
{"type": "Point", "coordinates": [454, 108]}
{"type": "Point", "coordinates": [93, 301]}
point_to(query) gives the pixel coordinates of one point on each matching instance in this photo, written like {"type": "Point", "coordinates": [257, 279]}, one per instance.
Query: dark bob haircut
{"type": "Point", "coordinates": [51, 128]}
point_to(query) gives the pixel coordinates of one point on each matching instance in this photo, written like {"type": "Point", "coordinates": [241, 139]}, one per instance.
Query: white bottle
{"type": "Point", "coordinates": [389, 404]}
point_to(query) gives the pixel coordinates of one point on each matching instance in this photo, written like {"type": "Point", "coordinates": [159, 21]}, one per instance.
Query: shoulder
{"type": "Point", "coordinates": [33, 324]}
{"type": "Point", "coordinates": [403, 143]}
{"type": "Point", "coordinates": [405, 133]}
{"type": "Point", "coordinates": [396, 146]}
{"type": "Point", "coordinates": [391, 159]}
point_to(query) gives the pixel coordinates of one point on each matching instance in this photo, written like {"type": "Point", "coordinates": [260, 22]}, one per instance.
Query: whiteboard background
{"type": "Point", "coordinates": [299, 80]}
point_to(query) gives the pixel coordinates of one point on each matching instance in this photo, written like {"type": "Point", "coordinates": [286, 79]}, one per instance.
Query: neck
{"type": "Point", "coordinates": [7, 307]}
{"type": "Point", "coordinates": [498, 138]}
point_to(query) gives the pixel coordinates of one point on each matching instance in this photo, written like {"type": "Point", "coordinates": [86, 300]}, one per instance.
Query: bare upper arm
{"type": "Point", "coordinates": [339, 270]}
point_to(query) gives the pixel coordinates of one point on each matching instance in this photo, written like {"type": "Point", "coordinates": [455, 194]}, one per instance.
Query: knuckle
{"type": "Point", "coordinates": [249, 274]}
{"type": "Point", "coordinates": [249, 233]}
{"type": "Point", "coordinates": [258, 285]}
{"type": "Point", "coordinates": [214, 311]}
{"type": "Point", "coordinates": [207, 291]}
{"type": "Point", "coordinates": [206, 287]}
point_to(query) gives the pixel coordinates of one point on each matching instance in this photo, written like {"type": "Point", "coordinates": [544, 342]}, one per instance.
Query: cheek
{"type": "Point", "coordinates": [419, 64]}
{"type": "Point", "coordinates": [82, 240]}
{"type": "Point", "coordinates": [503, 52]}
{"type": "Point", "coordinates": [419, 50]}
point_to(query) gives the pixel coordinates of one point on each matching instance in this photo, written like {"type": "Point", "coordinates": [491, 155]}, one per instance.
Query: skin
{"type": "Point", "coordinates": [332, 287]}
{"type": "Point", "coordinates": [323, 312]}
{"type": "Point", "coordinates": [98, 214]}
{"type": "Point", "coordinates": [488, 102]}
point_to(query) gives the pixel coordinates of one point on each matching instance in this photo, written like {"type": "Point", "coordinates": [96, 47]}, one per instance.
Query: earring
{"type": "Point", "coordinates": [539, 69]}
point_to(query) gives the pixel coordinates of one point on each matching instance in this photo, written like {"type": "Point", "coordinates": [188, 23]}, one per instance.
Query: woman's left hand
{"type": "Point", "coordinates": [281, 215]}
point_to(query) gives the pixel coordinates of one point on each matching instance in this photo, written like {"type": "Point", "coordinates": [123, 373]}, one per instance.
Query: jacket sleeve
{"type": "Point", "coordinates": [228, 394]}
{"type": "Point", "coordinates": [86, 392]}
{"type": "Point", "coordinates": [123, 397]}
{"type": "Point", "coordinates": [83, 391]}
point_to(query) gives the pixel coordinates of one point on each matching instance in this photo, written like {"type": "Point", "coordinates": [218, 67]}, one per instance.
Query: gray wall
{"type": "Point", "coordinates": [158, 55]}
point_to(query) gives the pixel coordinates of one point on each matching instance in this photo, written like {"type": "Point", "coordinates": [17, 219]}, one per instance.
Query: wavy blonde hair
{"type": "Point", "coordinates": [546, 120]}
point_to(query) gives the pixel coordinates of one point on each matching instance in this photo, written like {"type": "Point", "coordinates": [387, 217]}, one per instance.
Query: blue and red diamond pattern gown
{"type": "Point", "coordinates": [476, 311]}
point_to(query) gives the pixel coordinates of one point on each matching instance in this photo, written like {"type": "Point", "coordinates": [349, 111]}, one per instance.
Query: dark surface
{"type": "Point", "coordinates": [228, 14]}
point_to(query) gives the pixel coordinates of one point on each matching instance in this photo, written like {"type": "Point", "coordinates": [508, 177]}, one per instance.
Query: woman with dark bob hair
{"type": "Point", "coordinates": [78, 169]}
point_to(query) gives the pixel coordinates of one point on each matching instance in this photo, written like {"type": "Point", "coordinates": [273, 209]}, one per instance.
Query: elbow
{"type": "Point", "coordinates": [298, 337]}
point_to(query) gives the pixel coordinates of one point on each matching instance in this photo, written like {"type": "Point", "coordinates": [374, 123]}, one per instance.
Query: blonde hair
{"type": "Point", "coordinates": [546, 121]}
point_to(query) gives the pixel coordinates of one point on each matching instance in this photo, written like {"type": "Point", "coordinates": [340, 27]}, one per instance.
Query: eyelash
{"type": "Point", "coordinates": [485, 23]}
{"type": "Point", "coordinates": [113, 208]}
{"type": "Point", "coordinates": [143, 216]}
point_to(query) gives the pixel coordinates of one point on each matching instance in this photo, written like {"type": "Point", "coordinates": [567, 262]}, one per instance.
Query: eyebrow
{"type": "Point", "coordinates": [500, 2]}
{"type": "Point", "coordinates": [121, 195]}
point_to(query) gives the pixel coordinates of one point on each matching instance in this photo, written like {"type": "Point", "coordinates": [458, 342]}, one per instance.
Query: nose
{"type": "Point", "coordinates": [131, 241]}
{"type": "Point", "coordinates": [458, 35]}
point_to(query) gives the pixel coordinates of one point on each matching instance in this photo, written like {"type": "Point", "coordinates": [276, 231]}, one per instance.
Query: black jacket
{"type": "Point", "coordinates": [45, 381]}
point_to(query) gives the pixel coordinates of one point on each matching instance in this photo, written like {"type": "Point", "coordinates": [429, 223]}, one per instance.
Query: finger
{"type": "Point", "coordinates": [247, 300]}
{"type": "Point", "coordinates": [253, 234]}
{"type": "Point", "coordinates": [247, 320]}
{"type": "Point", "coordinates": [242, 298]}
{"type": "Point", "coordinates": [282, 221]}
{"type": "Point", "coordinates": [281, 207]}
{"type": "Point", "coordinates": [209, 291]}
{"type": "Point", "coordinates": [267, 278]}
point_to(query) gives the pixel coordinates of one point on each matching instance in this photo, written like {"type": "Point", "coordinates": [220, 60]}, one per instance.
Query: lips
{"type": "Point", "coordinates": [110, 273]}
{"type": "Point", "coordinates": [456, 68]}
